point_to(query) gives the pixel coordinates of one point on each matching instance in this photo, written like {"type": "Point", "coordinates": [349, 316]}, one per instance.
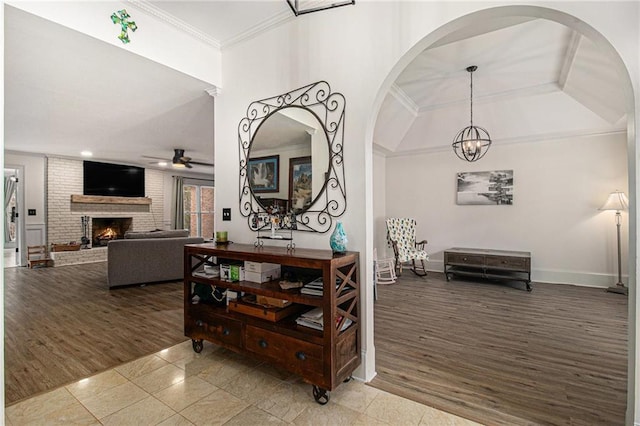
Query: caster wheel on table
{"type": "Point", "coordinates": [529, 288]}
{"type": "Point", "coordinates": [197, 345]}
{"type": "Point", "coordinates": [320, 395]}
{"type": "Point", "coordinates": [347, 380]}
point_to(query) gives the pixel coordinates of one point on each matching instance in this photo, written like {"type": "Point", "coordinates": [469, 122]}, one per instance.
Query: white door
{"type": "Point", "coordinates": [11, 218]}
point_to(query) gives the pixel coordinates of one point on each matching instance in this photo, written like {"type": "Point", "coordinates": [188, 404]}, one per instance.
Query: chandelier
{"type": "Point", "coordinates": [472, 142]}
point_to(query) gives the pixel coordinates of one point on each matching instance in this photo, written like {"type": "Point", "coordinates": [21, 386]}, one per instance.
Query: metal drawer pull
{"type": "Point", "coordinates": [199, 323]}
{"type": "Point", "coordinates": [262, 343]}
{"type": "Point", "coordinates": [301, 355]}
{"type": "Point", "coordinates": [226, 331]}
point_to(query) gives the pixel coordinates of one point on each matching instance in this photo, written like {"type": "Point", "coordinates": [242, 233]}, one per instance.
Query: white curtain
{"type": "Point", "coordinates": [178, 202]}
{"type": "Point", "coordinates": [9, 189]}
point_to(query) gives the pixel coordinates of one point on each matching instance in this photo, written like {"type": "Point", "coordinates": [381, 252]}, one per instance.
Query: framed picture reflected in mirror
{"type": "Point", "coordinates": [300, 178]}
{"type": "Point", "coordinates": [264, 174]}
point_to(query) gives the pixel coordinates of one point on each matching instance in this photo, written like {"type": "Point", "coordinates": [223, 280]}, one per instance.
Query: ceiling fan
{"type": "Point", "coordinates": [181, 160]}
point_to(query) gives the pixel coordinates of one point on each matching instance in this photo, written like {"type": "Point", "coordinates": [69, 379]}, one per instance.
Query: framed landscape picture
{"type": "Point", "coordinates": [264, 174]}
{"type": "Point", "coordinates": [300, 177]}
{"type": "Point", "coordinates": [485, 188]}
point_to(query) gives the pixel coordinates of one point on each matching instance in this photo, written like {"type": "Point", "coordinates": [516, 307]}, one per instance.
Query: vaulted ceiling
{"type": "Point", "coordinates": [536, 80]}
{"type": "Point", "coordinates": [66, 92]}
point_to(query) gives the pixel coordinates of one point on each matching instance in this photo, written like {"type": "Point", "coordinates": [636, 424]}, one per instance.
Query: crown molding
{"type": "Point", "coordinates": [569, 58]}
{"type": "Point", "coordinates": [249, 33]}
{"type": "Point", "coordinates": [404, 99]}
{"type": "Point", "coordinates": [213, 91]}
{"type": "Point", "coordinates": [272, 22]}
{"type": "Point", "coordinates": [381, 150]}
{"type": "Point", "coordinates": [179, 24]}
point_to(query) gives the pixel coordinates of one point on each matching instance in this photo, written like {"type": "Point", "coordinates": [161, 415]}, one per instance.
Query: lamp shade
{"type": "Point", "coordinates": [616, 201]}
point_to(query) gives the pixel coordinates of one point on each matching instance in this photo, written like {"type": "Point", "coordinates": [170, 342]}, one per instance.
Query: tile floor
{"type": "Point", "coordinates": [176, 386]}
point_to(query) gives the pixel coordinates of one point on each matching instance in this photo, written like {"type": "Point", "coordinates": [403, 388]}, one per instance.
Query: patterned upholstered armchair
{"type": "Point", "coordinates": [401, 235]}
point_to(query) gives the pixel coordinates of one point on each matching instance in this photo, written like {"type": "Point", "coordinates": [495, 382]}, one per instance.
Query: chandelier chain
{"type": "Point", "coordinates": [471, 98]}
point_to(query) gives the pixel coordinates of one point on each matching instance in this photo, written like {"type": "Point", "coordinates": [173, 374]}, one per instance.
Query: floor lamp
{"type": "Point", "coordinates": [617, 201]}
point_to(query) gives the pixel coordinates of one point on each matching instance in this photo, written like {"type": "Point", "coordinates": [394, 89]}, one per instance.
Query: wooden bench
{"type": "Point", "coordinates": [38, 256]}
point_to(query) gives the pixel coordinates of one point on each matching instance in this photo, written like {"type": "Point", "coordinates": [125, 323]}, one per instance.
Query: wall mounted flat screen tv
{"type": "Point", "coordinates": [115, 180]}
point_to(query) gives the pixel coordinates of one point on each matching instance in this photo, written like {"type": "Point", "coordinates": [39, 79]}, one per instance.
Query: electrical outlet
{"type": "Point", "coordinates": [31, 212]}
{"type": "Point", "coordinates": [226, 214]}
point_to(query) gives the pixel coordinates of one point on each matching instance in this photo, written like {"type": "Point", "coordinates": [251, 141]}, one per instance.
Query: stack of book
{"type": "Point", "coordinates": [315, 287]}
{"type": "Point", "coordinates": [313, 319]}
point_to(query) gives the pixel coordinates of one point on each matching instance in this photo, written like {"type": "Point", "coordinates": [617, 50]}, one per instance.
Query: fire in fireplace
{"type": "Point", "coordinates": [105, 229]}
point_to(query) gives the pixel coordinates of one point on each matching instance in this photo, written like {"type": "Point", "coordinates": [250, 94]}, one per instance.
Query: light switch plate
{"type": "Point", "coordinates": [226, 214]}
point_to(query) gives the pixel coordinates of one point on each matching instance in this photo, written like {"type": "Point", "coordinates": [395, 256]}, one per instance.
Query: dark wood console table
{"type": "Point", "coordinates": [324, 358]}
{"type": "Point", "coordinates": [489, 264]}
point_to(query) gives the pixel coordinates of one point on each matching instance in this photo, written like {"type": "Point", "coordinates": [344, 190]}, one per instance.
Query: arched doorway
{"type": "Point", "coordinates": [616, 62]}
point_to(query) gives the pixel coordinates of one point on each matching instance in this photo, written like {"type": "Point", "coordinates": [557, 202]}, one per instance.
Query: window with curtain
{"type": "Point", "coordinates": [199, 210]}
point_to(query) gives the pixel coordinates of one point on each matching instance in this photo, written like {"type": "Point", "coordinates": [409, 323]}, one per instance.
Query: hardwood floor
{"type": "Point", "coordinates": [498, 355]}
{"type": "Point", "coordinates": [63, 324]}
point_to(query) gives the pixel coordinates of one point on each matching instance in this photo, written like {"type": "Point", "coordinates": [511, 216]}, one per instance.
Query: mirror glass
{"type": "Point", "coordinates": [288, 160]}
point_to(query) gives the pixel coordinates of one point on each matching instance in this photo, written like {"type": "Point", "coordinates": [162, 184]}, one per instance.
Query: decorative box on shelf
{"type": "Point", "coordinates": [249, 306]}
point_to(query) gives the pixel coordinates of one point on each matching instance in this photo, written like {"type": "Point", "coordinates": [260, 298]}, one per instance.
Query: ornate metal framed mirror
{"type": "Point", "coordinates": [291, 160]}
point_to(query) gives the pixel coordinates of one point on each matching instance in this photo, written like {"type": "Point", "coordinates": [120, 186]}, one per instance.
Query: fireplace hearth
{"type": "Point", "coordinates": [105, 229]}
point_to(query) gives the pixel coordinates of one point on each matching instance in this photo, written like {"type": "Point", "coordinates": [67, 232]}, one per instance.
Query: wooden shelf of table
{"type": "Point", "coordinates": [322, 358]}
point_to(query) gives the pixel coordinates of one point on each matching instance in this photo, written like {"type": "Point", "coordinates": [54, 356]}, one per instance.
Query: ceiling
{"type": "Point", "coordinates": [536, 80]}
{"type": "Point", "coordinates": [66, 92]}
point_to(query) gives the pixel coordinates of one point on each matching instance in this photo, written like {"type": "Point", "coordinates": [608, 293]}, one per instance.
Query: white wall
{"type": "Point", "coordinates": [559, 185]}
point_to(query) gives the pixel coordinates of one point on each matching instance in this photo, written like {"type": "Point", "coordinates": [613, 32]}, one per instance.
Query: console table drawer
{"type": "Point", "coordinates": [504, 262]}
{"type": "Point", "coordinates": [296, 355]}
{"type": "Point", "coordinates": [220, 330]}
{"type": "Point", "coordinates": [464, 259]}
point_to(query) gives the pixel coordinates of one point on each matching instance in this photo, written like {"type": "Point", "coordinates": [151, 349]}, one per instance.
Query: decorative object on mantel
{"type": "Point", "coordinates": [122, 17]}
{"type": "Point", "coordinates": [617, 201]}
{"type": "Point", "coordinates": [338, 240]}
{"type": "Point", "coordinates": [485, 188]}
{"type": "Point", "coordinates": [297, 9]}
{"type": "Point", "coordinates": [472, 142]}
{"type": "Point", "coordinates": [324, 113]}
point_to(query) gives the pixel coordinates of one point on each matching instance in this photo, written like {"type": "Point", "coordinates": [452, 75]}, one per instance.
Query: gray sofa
{"type": "Point", "coordinates": [146, 257]}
